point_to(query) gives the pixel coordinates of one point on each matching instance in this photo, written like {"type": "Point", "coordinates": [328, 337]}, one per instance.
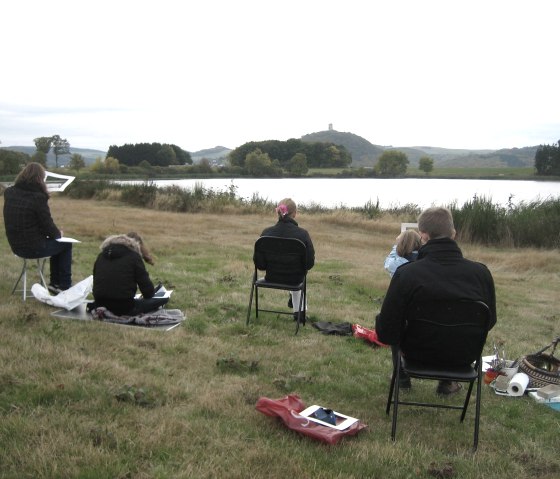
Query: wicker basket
{"type": "Point", "coordinates": [542, 369]}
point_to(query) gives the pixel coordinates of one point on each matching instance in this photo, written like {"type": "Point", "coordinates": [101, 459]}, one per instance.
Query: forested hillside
{"type": "Point", "coordinates": [363, 152]}
{"type": "Point", "coordinates": [366, 154]}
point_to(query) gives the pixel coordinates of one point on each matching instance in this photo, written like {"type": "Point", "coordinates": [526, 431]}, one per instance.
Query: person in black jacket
{"type": "Point", "coordinates": [440, 272]}
{"type": "Point", "coordinates": [117, 273]}
{"type": "Point", "coordinates": [287, 227]}
{"type": "Point", "coordinates": [30, 229]}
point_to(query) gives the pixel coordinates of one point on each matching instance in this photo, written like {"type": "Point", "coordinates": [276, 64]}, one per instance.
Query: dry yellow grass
{"type": "Point", "coordinates": [60, 379]}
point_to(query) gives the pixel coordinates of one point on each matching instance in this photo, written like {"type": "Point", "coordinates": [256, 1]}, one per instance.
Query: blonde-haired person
{"type": "Point", "coordinates": [287, 227]}
{"type": "Point", "coordinates": [405, 250]}
{"type": "Point", "coordinates": [30, 229]}
{"type": "Point", "coordinates": [439, 273]}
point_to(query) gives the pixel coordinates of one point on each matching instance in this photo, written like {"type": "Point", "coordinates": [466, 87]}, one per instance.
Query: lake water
{"type": "Point", "coordinates": [356, 192]}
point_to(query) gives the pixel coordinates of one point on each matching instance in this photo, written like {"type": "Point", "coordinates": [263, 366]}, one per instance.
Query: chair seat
{"type": "Point", "coordinates": [423, 371]}
{"type": "Point", "coordinates": [263, 283]}
{"type": "Point", "coordinates": [459, 326]}
{"type": "Point", "coordinates": [279, 258]}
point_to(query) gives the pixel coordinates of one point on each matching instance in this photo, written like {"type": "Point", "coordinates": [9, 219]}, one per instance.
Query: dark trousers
{"type": "Point", "coordinates": [60, 260]}
{"type": "Point", "coordinates": [145, 305]}
{"type": "Point", "coordinates": [128, 307]}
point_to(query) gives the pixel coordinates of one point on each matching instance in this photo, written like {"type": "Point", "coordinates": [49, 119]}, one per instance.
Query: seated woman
{"type": "Point", "coordinates": [30, 228]}
{"type": "Point", "coordinates": [406, 249]}
{"type": "Point", "coordinates": [287, 227]}
{"type": "Point", "coordinates": [118, 271]}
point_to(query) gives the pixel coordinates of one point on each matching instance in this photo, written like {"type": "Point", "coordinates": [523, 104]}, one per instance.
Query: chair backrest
{"type": "Point", "coordinates": [446, 332]}
{"type": "Point", "coordinates": [283, 259]}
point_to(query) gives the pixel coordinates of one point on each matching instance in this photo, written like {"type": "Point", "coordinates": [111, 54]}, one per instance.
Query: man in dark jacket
{"type": "Point", "coordinates": [117, 273]}
{"type": "Point", "coordinates": [287, 227]}
{"type": "Point", "coordinates": [439, 273]}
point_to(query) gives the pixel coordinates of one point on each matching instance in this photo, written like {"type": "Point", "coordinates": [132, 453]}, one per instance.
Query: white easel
{"type": "Point", "coordinates": [408, 226]}
{"type": "Point", "coordinates": [57, 184]}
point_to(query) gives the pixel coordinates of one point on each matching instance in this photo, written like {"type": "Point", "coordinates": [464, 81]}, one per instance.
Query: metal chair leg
{"type": "Point", "coordinates": [477, 409]}
{"type": "Point", "coordinates": [396, 387]}
{"type": "Point", "coordinates": [250, 303]}
{"type": "Point", "coordinates": [301, 310]}
{"type": "Point", "coordinates": [391, 390]}
{"type": "Point", "coordinates": [23, 275]}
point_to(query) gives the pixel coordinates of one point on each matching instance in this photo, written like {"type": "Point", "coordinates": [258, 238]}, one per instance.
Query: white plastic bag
{"type": "Point", "coordinates": [68, 299]}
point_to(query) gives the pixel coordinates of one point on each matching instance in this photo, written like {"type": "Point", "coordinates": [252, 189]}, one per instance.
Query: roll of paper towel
{"type": "Point", "coordinates": [518, 384]}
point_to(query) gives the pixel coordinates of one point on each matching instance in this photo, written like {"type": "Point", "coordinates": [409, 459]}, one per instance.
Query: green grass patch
{"type": "Point", "coordinates": [89, 399]}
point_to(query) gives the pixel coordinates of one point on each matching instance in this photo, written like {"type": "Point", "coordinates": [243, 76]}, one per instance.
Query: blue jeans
{"type": "Point", "coordinates": [60, 255]}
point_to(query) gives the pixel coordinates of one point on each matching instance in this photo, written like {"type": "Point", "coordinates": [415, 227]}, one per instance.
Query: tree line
{"type": "Point", "coordinates": [154, 154]}
{"type": "Point", "coordinates": [271, 158]}
{"type": "Point", "coordinates": [12, 161]}
{"type": "Point", "coordinates": [547, 160]}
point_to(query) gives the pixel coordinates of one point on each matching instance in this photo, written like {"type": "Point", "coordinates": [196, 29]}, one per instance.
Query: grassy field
{"type": "Point", "coordinates": [473, 173]}
{"type": "Point", "coordinates": [446, 172]}
{"type": "Point", "coordinates": [96, 400]}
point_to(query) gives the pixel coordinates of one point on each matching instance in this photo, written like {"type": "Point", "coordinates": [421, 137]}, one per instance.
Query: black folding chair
{"type": "Point", "coordinates": [452, 334]}
{"type": "Point", "coordinates": [281, 259]}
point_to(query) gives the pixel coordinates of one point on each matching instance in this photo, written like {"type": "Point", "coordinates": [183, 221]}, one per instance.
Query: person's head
{"type": "Point", "coordinates": [436, 222]}
{"type": "Point", "coordinates": [286, 207]}
{"type": "Point", "coordinates": [143, 249]}
{"type": "Point", "coordinates": [407, 242]}
{"type": "Point", "coordinates": [33, 173]}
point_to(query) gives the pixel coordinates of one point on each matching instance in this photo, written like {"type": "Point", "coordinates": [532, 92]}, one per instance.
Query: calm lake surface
{"type": "Point", "coordinates": [352, 192]}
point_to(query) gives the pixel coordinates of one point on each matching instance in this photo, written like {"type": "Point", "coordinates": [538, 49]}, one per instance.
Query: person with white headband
{"type": "Point", "coordinates": [287, 227]}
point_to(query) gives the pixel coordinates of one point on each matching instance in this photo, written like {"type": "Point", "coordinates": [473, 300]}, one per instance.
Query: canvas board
{"type": "Point", "coordinates": [342, 421]}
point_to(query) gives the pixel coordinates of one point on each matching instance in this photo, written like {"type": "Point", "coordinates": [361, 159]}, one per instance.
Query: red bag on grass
{"type": "Point", "coordinates": [367, 334]}
{"type": "Point", "coordinates": [288, 408]}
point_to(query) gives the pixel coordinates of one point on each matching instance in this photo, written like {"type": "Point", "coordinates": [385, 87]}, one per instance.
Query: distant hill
{"type": "Point", "coordinates": [440, 155]}
{"type": "Point", "coordinates": [363, 152]}
{"type": "Point", "coordinates": [366, 154]}
{"type": "Point", "coordinates": [456, 158]}
{"type": "Point", "coordinates": [505, 157]}
{"type": "Point", "coordinates": [216, 154]}
{"type": "Point", "coordinates": [89, 155]}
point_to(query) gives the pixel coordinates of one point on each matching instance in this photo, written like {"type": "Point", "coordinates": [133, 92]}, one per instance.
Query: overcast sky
{"type": "Point", "coordinates": [456, 74]}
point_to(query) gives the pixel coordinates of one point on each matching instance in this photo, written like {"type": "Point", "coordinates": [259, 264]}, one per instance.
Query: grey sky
{"type": "Point", "coordinates": [456, 74]}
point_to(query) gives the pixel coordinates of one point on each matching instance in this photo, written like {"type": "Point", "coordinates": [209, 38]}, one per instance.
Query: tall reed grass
{"type": "Point", "coordinates": [535, 224]}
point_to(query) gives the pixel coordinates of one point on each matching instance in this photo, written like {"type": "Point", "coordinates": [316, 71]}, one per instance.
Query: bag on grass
{"type": "Point", "coordinates": [542, 368]}
{"type": "Point", "coordinates": [326, 327]}
{"type": "Point", "coordinates": [287, 410]}
{"type": "Point", "coordinates": [69, 299]}
{"type": "Point", "coordinates": [369, 335]}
